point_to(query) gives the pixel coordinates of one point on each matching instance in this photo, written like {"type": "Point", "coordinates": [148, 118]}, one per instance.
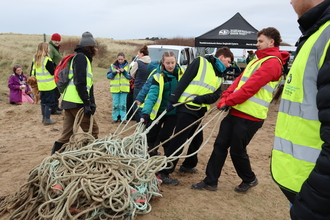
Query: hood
{"type": "Point", "coordinates": [273, 51]}
{"type": "Point", "coordinates": [145, 59]}
{"type": "Point", "coordinates": [80, 49]}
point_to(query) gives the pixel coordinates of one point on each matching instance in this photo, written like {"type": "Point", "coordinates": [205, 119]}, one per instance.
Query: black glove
{"type": "Point", "coordinates": [93, 109]}
{"type": "Point", "coordinates": [169, 107]}
{"type": "Point", "coordinates": [224, 108]}
{"type": "Point", "coordinates": [146, 119]}
{"type": "Point", "coordinates": [87, 110]}
{"type": "Point", "coordinates": [199, 100]}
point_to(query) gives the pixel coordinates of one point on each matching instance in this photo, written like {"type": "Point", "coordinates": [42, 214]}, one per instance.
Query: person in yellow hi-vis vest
{"type": "Point", "coordinates": [300, 162]}
{"type": "Point", "coordinates": [119, 87]}
{"type": "Point", "coordinates": [201, 84]}
{"type": "Point", "coordinates": [249, 98]}
{"type": "Point", "coordinates": [165, 79]}
{"type": "Point", "coordinates": [43, 69]}
{"type": "Point", "coordinates": [80, 91]}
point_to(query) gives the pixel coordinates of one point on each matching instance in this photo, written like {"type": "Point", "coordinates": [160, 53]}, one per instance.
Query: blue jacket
{"type": "Point", "coordinates": [144, 91]}
{"type": "Point", "coordinates": [170, 82]}
{"type": "Point", "coordinates": [111, 75]}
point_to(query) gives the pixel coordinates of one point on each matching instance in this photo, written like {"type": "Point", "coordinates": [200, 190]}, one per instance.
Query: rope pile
{"type": "Point", "coordinates": [106, 178]}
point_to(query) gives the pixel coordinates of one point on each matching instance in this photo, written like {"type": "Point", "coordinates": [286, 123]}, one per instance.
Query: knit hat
{"type": "Point", "coordinates": [87, 39]}
{"type": "Point", "coordinates": [56, 37]}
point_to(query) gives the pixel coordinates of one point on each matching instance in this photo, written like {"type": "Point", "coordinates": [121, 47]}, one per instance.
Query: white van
{"type": "Point", "coordinates": [185, 54]}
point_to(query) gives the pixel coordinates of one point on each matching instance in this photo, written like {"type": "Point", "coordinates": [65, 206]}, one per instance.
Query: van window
{"type": "Point", "coordinates": [210, 50]}
{"type": "Point", "coordinates": [182, 57]}
{"type": "Point", "coordinates": [156, 53]}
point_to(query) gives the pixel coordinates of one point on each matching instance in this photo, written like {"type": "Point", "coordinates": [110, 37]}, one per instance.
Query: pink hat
{"type": "Point", "coordinates": [56, 37]}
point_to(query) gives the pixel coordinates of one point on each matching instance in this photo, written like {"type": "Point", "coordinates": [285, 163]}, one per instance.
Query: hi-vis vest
{"type": "Point", "coordinates": [160, 79]}
{"type": "Point", "coordinates": [252, 57]}
{"type": "Point", "coordinates": [70, 94]}
{"type": "Point", "coordinates": [45, 80]}
{"type": "Point", "coordinates": [257, 105]}
{"type": "Point", "coordinates": [297, 143]}
{"type": "Point", "coordinates": [120, 83]}
{"type": "Point", "coordinates": [204, 82]}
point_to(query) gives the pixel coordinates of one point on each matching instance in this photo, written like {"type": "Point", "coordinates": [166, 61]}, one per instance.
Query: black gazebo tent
{"type": "Point", "coordinates": [234, 33]}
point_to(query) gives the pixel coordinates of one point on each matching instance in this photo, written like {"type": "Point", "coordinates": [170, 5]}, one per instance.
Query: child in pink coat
{"type": "Point", "coordinates": [19, 90]}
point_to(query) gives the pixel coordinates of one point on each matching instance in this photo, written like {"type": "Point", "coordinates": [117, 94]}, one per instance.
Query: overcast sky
{"type": "Point", "coordinates": [132, 19]}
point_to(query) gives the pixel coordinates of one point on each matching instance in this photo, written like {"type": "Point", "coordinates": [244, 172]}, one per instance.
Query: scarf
{"type": "Point", "coordinates": [219, 65]}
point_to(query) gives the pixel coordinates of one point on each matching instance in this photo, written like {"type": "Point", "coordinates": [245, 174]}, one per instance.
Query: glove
{"type": "Point", "coordinates": [199, 100]}
{"type": "Point", "coordinates": [221, 103]}
{"type": "Point", "coordinates": [93, 109]}
{"type": "Point", "coordinates": [169, 107]}
{"type": "Point", "coordinates": [145, 119]}
{"type": "Point", "coordinates": [224, 108]}
{"type": "Point", "coordinates": [87, 110]}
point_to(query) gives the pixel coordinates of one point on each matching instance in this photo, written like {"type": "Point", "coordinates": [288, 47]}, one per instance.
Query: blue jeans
{"type": "Point", "coordinates": [119, 106]}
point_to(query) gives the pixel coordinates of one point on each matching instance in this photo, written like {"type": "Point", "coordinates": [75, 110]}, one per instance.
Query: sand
{"type": "Point", "coordinates": [25, 142]}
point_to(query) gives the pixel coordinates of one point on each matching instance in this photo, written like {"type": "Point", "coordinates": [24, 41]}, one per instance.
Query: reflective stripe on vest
{"type": "Point", "coordinates": [155, 108]}
{"type": "Point", "coordinates": [45, 80]}
{"type": "Point", "coordinates": [119, 83]}
{"type": "Point", "coordinates": [70, 94]}
{"type": "Point", "coordinates": [150, 75]}
{"type": "Point", "coordinates": [257, 105]}
{"type": "Point", "coordinates": [205, 82]}
{"type": "Point", "coordinates": [297, 143]}
{"type": "Point", "coordinates": [160, 79]}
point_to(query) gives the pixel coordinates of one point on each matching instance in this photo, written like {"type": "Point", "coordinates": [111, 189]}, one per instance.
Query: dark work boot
{"type": "Point", "coordinates": [55, 110]}
{"type": "Point", "coordinates": [56, 147]}
{"type": "Point", "coordinates": [43, 112]}
{"type": "Point", "coordinates": [47, 120]}
{"type": "Point", "coordinates": [151, 146]}
{"type": "Point", "coordinates": [167, 180]}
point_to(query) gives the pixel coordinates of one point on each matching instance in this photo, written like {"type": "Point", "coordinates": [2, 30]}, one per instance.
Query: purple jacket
{"type": "Point", "coordinates": [15, 92]}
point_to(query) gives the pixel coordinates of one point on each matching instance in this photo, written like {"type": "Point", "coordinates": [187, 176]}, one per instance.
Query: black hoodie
{"type": "Point", "coordinates": [186, 79]}
{"type": "Point", "coordinates": [313, 200]}
{"type": "Point", "coordinates": [79, 78]}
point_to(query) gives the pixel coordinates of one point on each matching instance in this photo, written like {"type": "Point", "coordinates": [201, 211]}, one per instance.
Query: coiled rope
{"type": "Point", "coordinates": [89, 178]}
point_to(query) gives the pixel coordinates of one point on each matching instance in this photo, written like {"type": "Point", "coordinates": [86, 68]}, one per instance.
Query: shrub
{"type": "Point", "coordinates": [68, 46]}
{"type": "Point", "coordinates": [181, 41]}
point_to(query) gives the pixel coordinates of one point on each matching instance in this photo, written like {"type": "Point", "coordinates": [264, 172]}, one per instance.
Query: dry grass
{"type": "Point", "coordinates": [20, 49]}
{"type": "Point", "coordinates": [178, 41]}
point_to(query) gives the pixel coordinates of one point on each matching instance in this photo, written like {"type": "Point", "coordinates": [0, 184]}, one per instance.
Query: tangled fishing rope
{"type": "Point", "coordinates": [106, 178]}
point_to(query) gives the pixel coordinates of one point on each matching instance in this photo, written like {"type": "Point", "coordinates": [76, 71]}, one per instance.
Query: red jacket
{"type": "Point", "coordinates": [270, 70]}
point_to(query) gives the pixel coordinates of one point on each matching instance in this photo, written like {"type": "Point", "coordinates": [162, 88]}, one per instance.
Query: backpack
{"type": "Point", "coordinates": [61, 73]}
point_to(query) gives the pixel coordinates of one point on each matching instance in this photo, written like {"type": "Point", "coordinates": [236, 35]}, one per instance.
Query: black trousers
{"type": "Point", "coordinates": [162, 131]}
{"type": "Point", "coordinates": [57, 96]}
{"type": "Point", "coordinates": [47, 98]}
{"type": "Point", "coordinates": [129, 103]}
{"type": "Point", "coordinates": [236, 133]}
{"type": "Point", "coordinates": [183, 121]}
{"type": "Point", "coordinates": [138, 114]}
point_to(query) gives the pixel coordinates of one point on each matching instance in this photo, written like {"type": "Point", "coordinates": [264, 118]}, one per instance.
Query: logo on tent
{"type": "Point", "coordinates": [224, 32]}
